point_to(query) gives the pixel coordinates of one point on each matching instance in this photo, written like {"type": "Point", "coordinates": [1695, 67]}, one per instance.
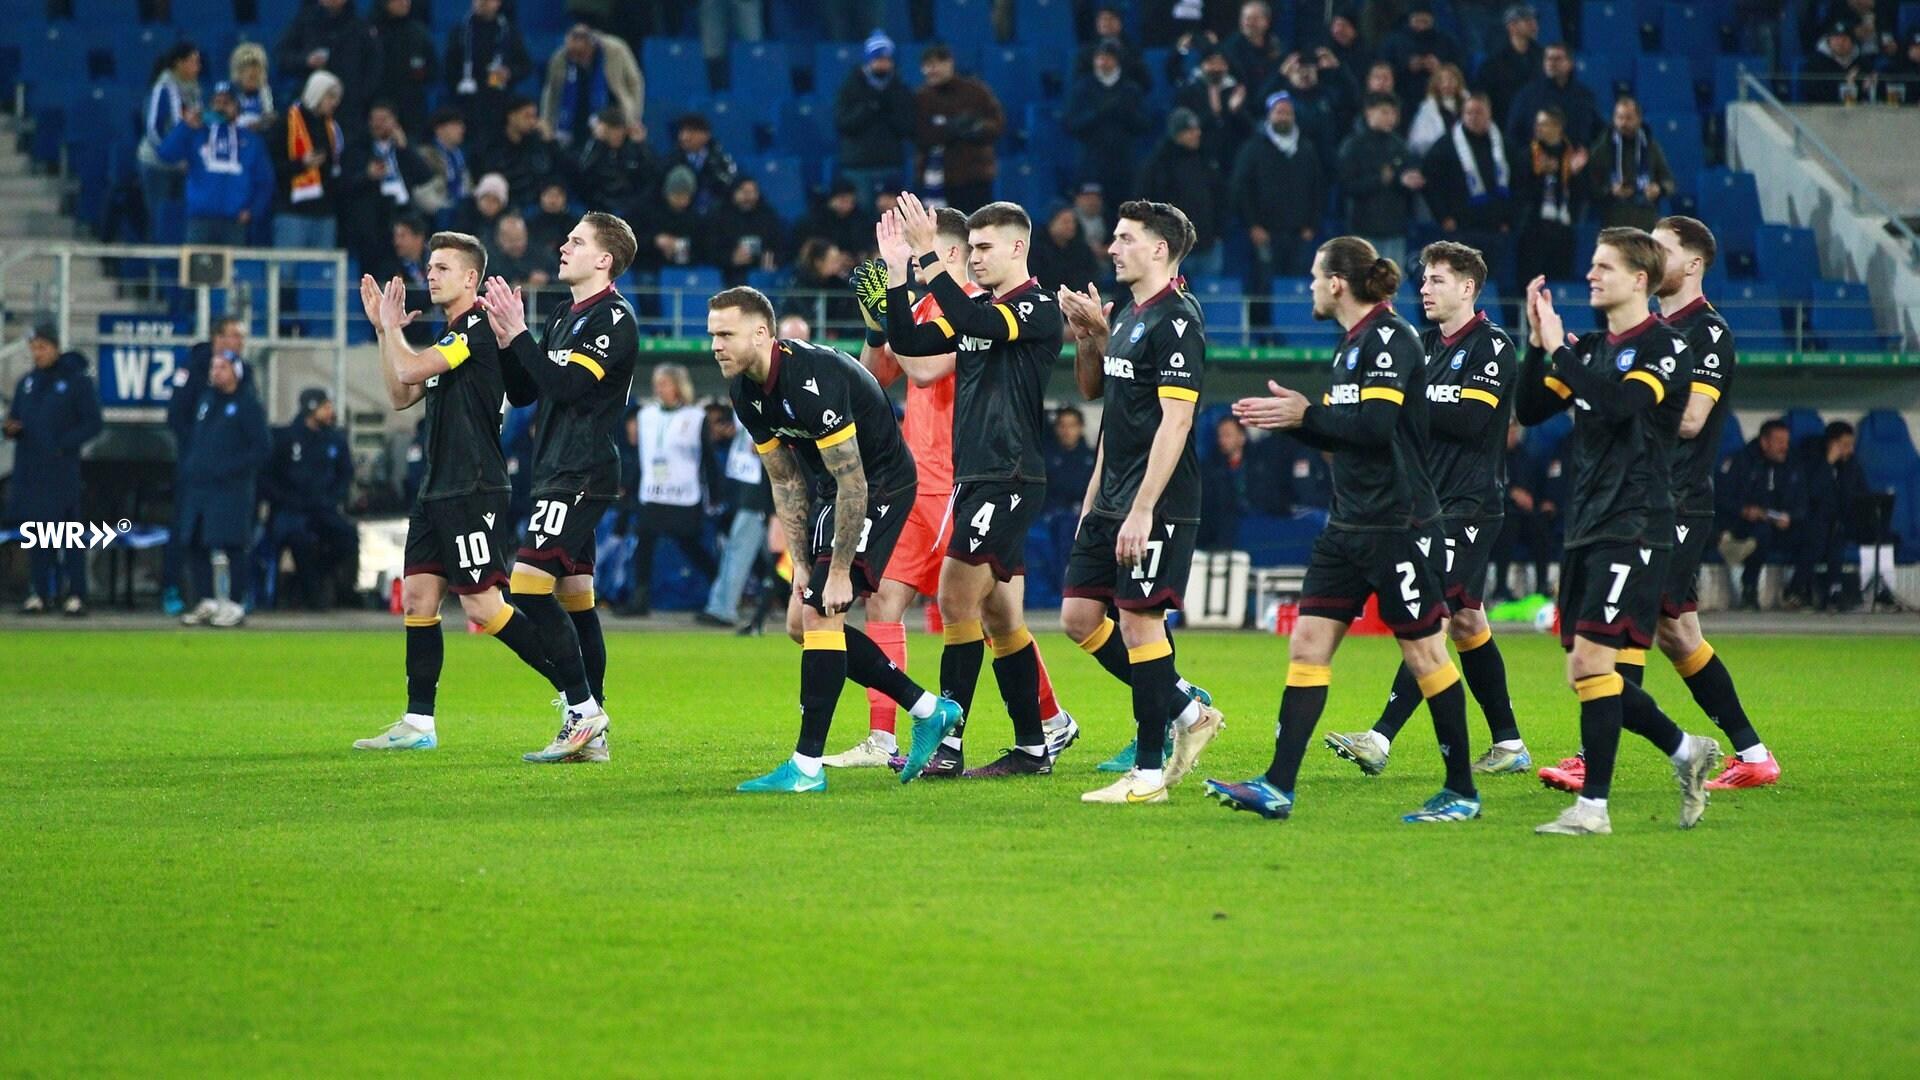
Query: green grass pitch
{"type": "Point", "coordinates": [199, 877]}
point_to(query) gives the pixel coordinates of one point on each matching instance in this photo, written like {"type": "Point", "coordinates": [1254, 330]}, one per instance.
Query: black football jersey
{"type": "Point", "coordinates": [816, 397]}
{"type": "Point", "coordinates": [464, 408]}
{"type": "Point", "coordinates": [1622, 486]}
{"type": "Point", "coordinates": [1156, 350]}
{"type": "Point", "coordinates": [1469, 380]}
{"type": "Point", "coordinates": [574, 452]}
{"type": "Point", "coordinates": [1376, 488]}
{"type": "Point", "coordinates": [1708, 363]}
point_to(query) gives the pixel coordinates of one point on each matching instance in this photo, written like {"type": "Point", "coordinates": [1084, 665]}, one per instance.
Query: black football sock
{"type": "Point", "coordinates": [1016, 667]}
{"type": "Point", "coordinates": [868, 665]}
{"type": "Point", "coordinates": [1300, 707]}
{"type": "Point", "coordinates": [1632, 665]}
{"type": "Point", "coordinates": [1447, 701]}
{"type": "Point", "coordinates": [1712, 687]}
{"type": "Point", "coordinates": [960, 667]}
{"type": "Point", "coordinates": [426, 652]}
{"type": "Point", "coordinates": [1640, 714]}
{"type": "Point", "coordinates": [534, 597]}
{"type": "Point", "coordinates": [1599, 729]}
{"type": "Point", "coordinates": [823, 672]}
{"type": "Point", "coordinates": [1155, 685]}
{"type": "Point", "coordinates": [1486, 673]}
{"type": "Point", "coordinates": [1401, 701]}
{"type": "Point", "coordinates": [1105, 646]}
{"type": "Point", "coordinates": [517, 632]}
{"type": "Point", "coordinates": [593, 643]}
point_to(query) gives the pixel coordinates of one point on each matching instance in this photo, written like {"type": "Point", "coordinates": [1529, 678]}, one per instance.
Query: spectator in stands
{"type": "Point", "coordinates": [1105, 113]}
{"type": "Point", "coordinates": [848, 20]}
{"type": "Point", "coordinates": [794, 327]}
{"type": "Point", "coordinates": [1278, 190]}
{"type": "Point", "coordinates": [1629, 175]}
{"type": "Point", "coordinates": [445, 157]}
{"type": "Point", "coordinates": [305, 145]}
{"type": "Point", "coordinates": [510, 257]}
{"type": "Point", "coordinates": [1835, 484]}
{"type": "Point", "coordinates": [54, 413]}
{"type": "Point", "coordinates": [486, 58]}
{"type": "Point", "coordinates": [1535, 488]}
{"type": "Point", "coordinates": [247, 70]}
{"type": "Point", "coordinates": [1059, 255]}
{"type": "Point", "coordinates": [1223, 487]}
{"type": "Point", "coordinates": [175, 91]}
{"type": "Point", "coordinates": [1179, 171]}
{"type": "Point", "coordinates": [587, 73]}
{"type": "Point", "coordinates": [671, 229]}
{"type": "Point", "coordinates": [837, 220]}
{"type": "Point", "coordinates": [1556, 88]}
{"type": "Point", "coordinates": [1090, 206]}
{"type": "Point", "coordinates": [229, 445]}
{"type": "Point", "coordinates": [1762, 495]}
{"type": "Point", "coordinates": [1550, 191]}
{"type": "Point", "coordinates": [524, 155]}
{"type": "Point", "coordinates": [874, 116]}
{"type": "Point", "coordinates": [328, 35]}
{"type": "Point", "coordinates": [1470, 185]}
{"type": "Point", "coordinates": [1254, 50]}
{"type": "Point", "coordinates": [1838, 68]}
{"type": "Point", "coordinates": [958, 121]}
{"type": "Point", "coordinates": [713, 169]}
{"type": "Point", "coordinates": [670, 433]}
{"type": "Point", "coordinates": [1321, 111]}
{"type": "Point", "coordinates": [1380, 175]}
{"type": "Point", "coordinates": [1514, 63]}
{"type": "Point", "coordinates": [478, 216]}
{"type": "Point", "coordinates": [1418, 49]}
{"type": "Point", "coordinates": [379, 171]}
{"type": "Point", "coordinates": [229, 179]}
{"type": "Point", "coordinates": [308, 476]}
{"type": "Point", "coordinates": [744, 20]}
{"type": "Point", "coordinates": [1900, 76]}
{"type": "Point", "coordinates": [1069, 461]}
{"type": "Point", "coordinates": [1345, 44]}
{"type": "Point", "coordinates": [406, 259]}
{"type": "Point", "coordinates": [1380, 80]}
{"type": "Point", "coordinates": [409, 63]}
{"type": "Point", "coordinates": [1110, 32]}
{"type": "Point", "coordinates": [822, 267]}
{"type": "Point", "coordinates": [1439, 110]}
{"type": "Point", "coordinates": [1219, 99]}
{"type": "Point", "coordinates": [613, 170]}
{"type": "Point", "coordinates": [1309, 475]}
{"type": "Point", "coordinates": [747, 234]}
{"type": "Point", "coordinates": [549, 224]}
{"type": "Point", "coordinates": [1183, 60]}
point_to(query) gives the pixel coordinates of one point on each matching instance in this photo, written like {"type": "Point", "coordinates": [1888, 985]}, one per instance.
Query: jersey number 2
{"type": "Point", "coordinates": [1408, 590]}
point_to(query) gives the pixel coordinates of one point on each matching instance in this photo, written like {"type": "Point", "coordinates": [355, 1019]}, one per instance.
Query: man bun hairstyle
{"type": "Point", "coordinates": [613, 236]}
{"type": "Point", "coordinates": [1694, 236]}
{"type": "Point", "coordinates": [1166, 221]}
{"type": "Point", "coordinates": [744, 298]}
{"type": "Point", "coordinates": [1371, 277]}
{"type": "Point", "coordinates": [1000, 213]}
{"type": "Point", "coordinates": [951, 224]}
{"type": "Point", "coordinates": [1639, 250]}
{"type": "Point", "coordinates": [466, 244]}
{"type": "Point", "coordinates": [1461, 259]}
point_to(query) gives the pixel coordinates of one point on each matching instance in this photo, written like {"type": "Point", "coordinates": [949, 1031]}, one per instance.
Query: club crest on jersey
{"type": "Point", "coordinates": [1139, 330]}
{"type": "Point", "coordinates": [1625, 360]}
{"type": "Point", "coordinates": [1353, 358]}
{"type": "Point", "coordinates": [577, 325]}
{"type": "Point", "coordinates": [1459, 359]}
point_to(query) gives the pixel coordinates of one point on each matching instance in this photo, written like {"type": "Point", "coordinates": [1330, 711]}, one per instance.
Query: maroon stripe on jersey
{"type": "Point", "coordinates": [433, 568]}
{"type": "Point", "coordinates": [1645, 325]}
{"type": "Point", "coordinates": [1422, 626]}
{"type": "Point", "coordinates": [553, 555]}
{"type": "Point", "coordinates": [1691, 306]}
{"type": "Point", "coordinates": [1088, 592]}
{"type": "Point", "coordinates": [1000, 570]}
{"type": "Point", "coordinates": [1342, 608]}
{"type": "Point", "coordinates": [1447, 341]}
{"type": "Point", "coordinates": [493, 580]}
{"type": "Point", "coordinates": [1030, 283]}
{"type": "Point", "coordinates": [1459, 600]}
{"type": "Point", "coordinates": [591, 300]}
{"type": "Point", "coordinates": [1671, 610]}
{"type": "Point", "coordinates": [1158, 598]}
{"type": "Point", "coordinates": [1374, 312]}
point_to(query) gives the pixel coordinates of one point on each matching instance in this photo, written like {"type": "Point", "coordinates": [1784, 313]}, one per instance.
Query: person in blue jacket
{"type": "Point", "coordinates": [306, 482]}
{"type": "Point", "coordinates": [229, 177]}
{"type": "Point", "coordinates": [224, 455]}
{"type": "Point", "coordinates": [189, 382]}
{"type": "Point", "coordinates": [55, 412]}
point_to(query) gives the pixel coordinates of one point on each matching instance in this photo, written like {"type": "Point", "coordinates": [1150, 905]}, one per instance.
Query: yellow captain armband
{"type": "Point", "coordinates": [1706, 388]}
{"type": "Point", "coordinates": [587, 362]}
{"type": "Point", "coordinates": [1659, 391]}
{"type": "Point", "coordinates": [1383, 393]}
{"type": "Point", "coordinates": [1180, 393]}
{"type": "Point", "coordinates": [1475, 394]}
{"type": "Point", "coordinates": [454, 349]}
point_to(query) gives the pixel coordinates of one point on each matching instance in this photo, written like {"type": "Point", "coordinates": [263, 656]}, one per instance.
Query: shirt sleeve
{"type": "Point", "coordinates": [822, 403]}
{"type": "Point", "coordinates": [1494, 365]}
{"type": "Point", "coordinates": [1180, 358]}
{"type": "Point", "coordinates": [606, 342]}
{"type": "Point", "coordinates": [752, 420]}
{"type": "Point", "coordinates": [1390, 362]}
{"type": "Point", "coordinates": [1710, 367]}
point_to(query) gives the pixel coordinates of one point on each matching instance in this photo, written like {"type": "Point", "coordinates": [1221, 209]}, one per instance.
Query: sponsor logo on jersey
{"type": "Point", "coordinates": [1625, 360]}
{"type": "Point", "coordinates": [1383, 361]}
{"type": "Point", "coordinates": [811, 386]}
{"type": "Point", "coordinates": [1492, 369]}
{"type": "Point", "coordinates": [829, 418]}
{"type": "Point", "coordinates": [1712, 361]}
{"type": "Point", "coordinates": [618, 314]}
{"type": "Point", "coordinates": [1715, 332]}
{"type": "Point", "coordinates": [1177, 360]}
{"type": "Point", "coordinates": [1344, 394]}
{"type": "Point", "coordinates": [1139, 331]}
{"type": "Point", "coordinates": [1446, 395]}
{"type": "Point", "coordinates": [1118, 367]}
{"type": "Point", "coordinates": [603, 341]}
{"type": "Point", "coordinates": [559, 356]}
{"type": "Point", "coordinates": [1459, 360]}
{"type": "Point", "coordinates": [973, 344]}
{"type": "Point", "coordinates": [1498, 345]}
{"type": "Point", "coordinates": [1179, 328]}
{"type": "Point", "coordinates": [1386, 334]}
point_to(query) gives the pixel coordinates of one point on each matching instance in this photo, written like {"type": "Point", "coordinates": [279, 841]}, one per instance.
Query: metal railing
{"type": "Point", "coordinates": [1863, 197]}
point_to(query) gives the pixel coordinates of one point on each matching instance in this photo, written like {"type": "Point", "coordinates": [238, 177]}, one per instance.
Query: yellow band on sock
{"type": "Point", "coordinates": [1008, 644]}
{"type": "Point", "coordinates": [835, 640]}
{"type": "Point", "coordinates": [1632, 656]}
{"type": "Point", "coordinates": [577, 601]}
{"type": "Point", "coordinates": [961, 633]}
{"type": "Point", "coordinates": [1690, 664]}
{"type": "Point", "coordinates": [1599, 686]}
{"type": "Point", "coordinates": [1152, 650]}
{"type": "Point", "coordinates": [1468, 645]}
{"type": "Point", "coordinates": [499, 620]}
{"type": "Point", "coordinates": [423, 620]}
{"type": "Point", "coordinates": [1438, 681]}
{"type": "Point", "coordinates": [1098, 637]}
{"type": "Point", "coordinates": [1309, 675]}
{"type": "Point", "coordinates": [530, 583]}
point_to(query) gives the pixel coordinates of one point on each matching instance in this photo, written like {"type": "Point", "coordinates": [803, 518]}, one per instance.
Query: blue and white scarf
{"type": "Point", "coordinates": [1477, 190]}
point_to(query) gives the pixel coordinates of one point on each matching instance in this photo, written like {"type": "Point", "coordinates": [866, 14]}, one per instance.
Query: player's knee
{"type": "Point", "coordinates": [1081, 618]}
{"type": "Point", "coordinates": [481, 607]}
{"type": "Point", "coordinates": [418, 597]}
{"type": "Point", "coordinates": [1676, 638]}
{"type": "Point", "coordinates": [1467, 624]}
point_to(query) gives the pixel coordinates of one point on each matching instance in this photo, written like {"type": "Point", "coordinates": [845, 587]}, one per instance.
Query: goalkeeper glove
{"type": "Point", "coordinates": [869, 281]}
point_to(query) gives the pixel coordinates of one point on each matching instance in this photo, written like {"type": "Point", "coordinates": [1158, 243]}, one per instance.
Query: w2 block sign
{"type": "Point", "coordinates": [137, 376]}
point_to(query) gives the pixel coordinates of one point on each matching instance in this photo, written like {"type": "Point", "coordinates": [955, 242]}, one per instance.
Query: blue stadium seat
{"type": "Point", "coordinates": [1752, 310]}
{"type": "Point", "coordinates": [1291, 315]}
{"type": "Point", "coordinates": [1664, 83]}
{"type": "Point", "coordinates": [966, 25]}
{"type": "Point", "coordinates": [1679, 137]}
{"type": "Point", "coordinates": [1548, 16]}
{"type": "Point", "coordinates": [1690, 31]}
{"type": "Point", "coordinates": [1225, 311]}
{"type": "Point", "coordinates": [274, 15]}
{"type": "Point", "coordinates": [1731, 438]}
{"type": "Point", "coordinates": [1726, 77]}
{"type": "Point", "coordinates": [770, 281]}
{"type": "Point", "coordinates": [1604, 73]}
{"type": "Point", "coordinates": [1045, 25]}
{"type": "Point", "coordinates": [782, 183]}
{"type": "Point", "coordinates": [1804, 423]}
{"type": "Point", "coordinates": [1789, 258]}
{"type": "Point", "coordinates": [674, 68]}
{"type": "Point", "coordinates": [1731, 200]}
{"type": "Point", "coordinates": [1908, 20]}
{"type": "Point", "coordinates": [899, 22]}
{"type": "Point", "coordinates": [1609, 26]}
{"type": "Point", "coordinates": [831, 62]}
{"type": "Point", "coordinates": [762, 74]}
{"type": "Point", "coordinates": [56, 52]}
{"type": "Point", "coordinates": [805, 127]}
{"type": "Point", "coordinates": [1886, 448]}
{"type": "Point", "coordinates": [734, 127]}
{"type": "Point", "coordinates": [1846, 328]}
{"type": "Point", "coordinates": [1028, 183]}
{"type": "Point", "coordinates": [687, 289]}
{"type": "Point", "coordinates": [1014, 74]}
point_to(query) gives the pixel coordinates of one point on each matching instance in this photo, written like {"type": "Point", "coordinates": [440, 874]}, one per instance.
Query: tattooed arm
{"type": "Point", "coordinates": [842, 460]}
{"type": "Point", "coordinates": [791, 502]}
